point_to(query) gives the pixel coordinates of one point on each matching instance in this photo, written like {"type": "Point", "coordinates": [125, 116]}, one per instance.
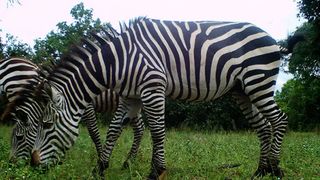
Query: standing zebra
{"type": "Point", "coordinates": [152, 59]}
{"type": "Point", "coordinates": [15, 75]}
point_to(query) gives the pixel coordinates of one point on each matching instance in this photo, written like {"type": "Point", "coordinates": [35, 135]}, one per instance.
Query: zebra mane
{"type": "Point", "coordinates": [124, 27]}
{"type": "Point", "coordinates": [88, 43]}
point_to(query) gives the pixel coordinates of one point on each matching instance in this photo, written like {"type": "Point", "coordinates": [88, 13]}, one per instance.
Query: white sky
{"type": "Point", "coordinates": [36, 18]}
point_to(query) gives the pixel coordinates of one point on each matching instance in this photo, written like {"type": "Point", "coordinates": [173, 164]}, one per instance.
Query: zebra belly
{"type": "Point", "coordinates": [200, 92]}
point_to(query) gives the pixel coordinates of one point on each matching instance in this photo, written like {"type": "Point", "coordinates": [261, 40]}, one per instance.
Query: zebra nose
{"type": "Point", "coordinates": [35, 158]}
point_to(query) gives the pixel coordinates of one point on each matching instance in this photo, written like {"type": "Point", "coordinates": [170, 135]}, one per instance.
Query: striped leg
{"type": "Point", "coordinates": [127, 110]}
{"type": "Point", "coordinates": [153, 100]}
{"type": "Point", "coordinates": [261, 95]}
{"type": "Point", "coordinates": [89, 117]}
{"type": "Point", "coordinates": [138, 128]}
{"type": "Point", "coordinates": [261, 126]}
{"type": "Point", "coordinates": [279, 124]}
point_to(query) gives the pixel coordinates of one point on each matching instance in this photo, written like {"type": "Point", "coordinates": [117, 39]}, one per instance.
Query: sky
{"type": "Point", "coordinates": [33, 19]}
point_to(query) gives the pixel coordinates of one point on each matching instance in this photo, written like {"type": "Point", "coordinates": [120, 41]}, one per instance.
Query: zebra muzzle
{"type": "Point", "coordinates": [35, 158]}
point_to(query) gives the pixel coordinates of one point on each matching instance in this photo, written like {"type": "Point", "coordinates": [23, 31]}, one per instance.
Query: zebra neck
{"type": "Point", "coordinates": [85, 74]}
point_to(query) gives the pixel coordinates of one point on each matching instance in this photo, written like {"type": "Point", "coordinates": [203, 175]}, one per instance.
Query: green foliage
{"type": "Point", "coordinates": [300, 97]}
{"type": "Point", "coordinates": [58, 42]}
{"type": "Point", "coordinates": [221, 114]}
{"type": "Point", "coordinates": [301, 101]}
{"type": "Point", "coordinates": [309, 9]}
{"type": "Point", "coordinates": [189, 155]}
{"type": "Point", "coordinates": [12, 47]}
{"type": "Point", "coordinates": [305, 60]}
{"type": "Point", "coordinates": [1, 47]}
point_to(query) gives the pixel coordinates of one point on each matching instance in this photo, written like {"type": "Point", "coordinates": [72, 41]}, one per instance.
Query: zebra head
{"type": "Point", "coordinates": [23, 135]}
{"type": "Point", "coordinates": [25, 113]}
{"type": "Point", "coordinates": [57, 130]}
{"type": "Point", "coordinates": [19, 145]}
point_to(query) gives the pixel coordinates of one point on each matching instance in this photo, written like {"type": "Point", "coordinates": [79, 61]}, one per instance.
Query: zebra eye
{"type": "Point", "coordinates": [19, 132]}
{"type": "Point", "coordinates": [20, 115]}
{"type": "Point", "coordinates": [47, 125]}
{"type": "Point", "coordinates": [47, 122]}
{"type": "Point", "coordinates": [19, 137]}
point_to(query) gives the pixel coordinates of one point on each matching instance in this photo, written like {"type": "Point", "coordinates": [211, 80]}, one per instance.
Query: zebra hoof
{"type": "Point", "coordinates": [260, 172]}
{"type": "Point", "coordinates": [274, 171]}
{"type": "Point", "coordinates": [99, 170]}
{"type": "Point", "coordinates": [158, 175]}
{"type": "Point", "coordinates": [125, 165]}
{"type": "Point", "coordinates": [277, 172]}
{"type": "Point", "coordinates": [97, 174]}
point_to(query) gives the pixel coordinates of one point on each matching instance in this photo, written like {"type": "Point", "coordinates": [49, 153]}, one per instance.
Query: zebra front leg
{"type": "Point", "coordinates": [138, 128]}
{"type": "Point", "coordinates": [153, 100]}
{"type": "Point", "coordinates": [89, 117]}
{"type": "Point", "coordinates": [115, 129]}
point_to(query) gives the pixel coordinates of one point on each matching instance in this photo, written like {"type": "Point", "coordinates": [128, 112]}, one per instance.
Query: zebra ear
{"type": "Point", "coordinates": [43, 91]}
{"type": "Point", "coordinates": [48, 89]}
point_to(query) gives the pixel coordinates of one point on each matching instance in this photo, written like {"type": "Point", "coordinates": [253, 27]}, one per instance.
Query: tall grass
{"type": "Point", "coordinates": [189, 154]}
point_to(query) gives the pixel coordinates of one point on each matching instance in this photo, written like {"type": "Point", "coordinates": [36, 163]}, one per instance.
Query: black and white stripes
{"type": "Point", "coordinates": [192, 61]}
{"type": "Point", "coordinates": [17, 75]}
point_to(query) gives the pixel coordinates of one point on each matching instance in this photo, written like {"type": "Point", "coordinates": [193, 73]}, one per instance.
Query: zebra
{"type": "Point", "coordinates": [16, 74]}
{"type": "Point", "coordinates": [153, 59]}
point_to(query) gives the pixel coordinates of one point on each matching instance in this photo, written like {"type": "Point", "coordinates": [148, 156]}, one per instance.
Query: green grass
{"type": "Point", "coordinates": [189, 155]}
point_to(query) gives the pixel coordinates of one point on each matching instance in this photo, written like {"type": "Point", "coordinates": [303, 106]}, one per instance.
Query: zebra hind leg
{"type": "Point", "coordinates": [279, 124]}
{"type": "Point", "coordinates": [266, 105]}
{"type": "Point", "coordinates": [138, 128]}
{"type": "Point", "coordinates": [262, 128]}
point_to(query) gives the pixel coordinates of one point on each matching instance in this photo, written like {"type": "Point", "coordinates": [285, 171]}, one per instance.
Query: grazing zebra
{"type": "Point", "coordinates": [15, 74]}
{"type": "Point", "coordinates": [154, 59]}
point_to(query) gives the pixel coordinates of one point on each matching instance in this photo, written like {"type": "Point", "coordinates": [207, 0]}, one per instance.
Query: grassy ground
{"type": "Point", "coordinates": [189, 154]}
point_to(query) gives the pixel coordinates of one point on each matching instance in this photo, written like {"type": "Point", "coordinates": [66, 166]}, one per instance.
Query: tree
{"type": "Point", "coordinates": [12, 2]}
{"type": "Point", "coordinates": [14, 48]}
{"type": "Point", "coordinates": [305, 60]}
{"type": "Point", "coordinates": [58, 42]}
{"type": "Point", "coordinates": [300, 97]}
{"type": "Point", "coordinates": [300, 100]}
{"type": "Point", "coordinates": [309, 9]}
{"type": "Point", "coordinates": [1, 48]}
{"type": "Point", "coordinates": [221, 114]}
{"type": "Point", "coordinates": [309, 53]}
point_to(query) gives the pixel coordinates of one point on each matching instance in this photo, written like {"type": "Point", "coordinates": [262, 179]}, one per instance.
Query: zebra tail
{"type": "Point", "coordinates": [291, 42]}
